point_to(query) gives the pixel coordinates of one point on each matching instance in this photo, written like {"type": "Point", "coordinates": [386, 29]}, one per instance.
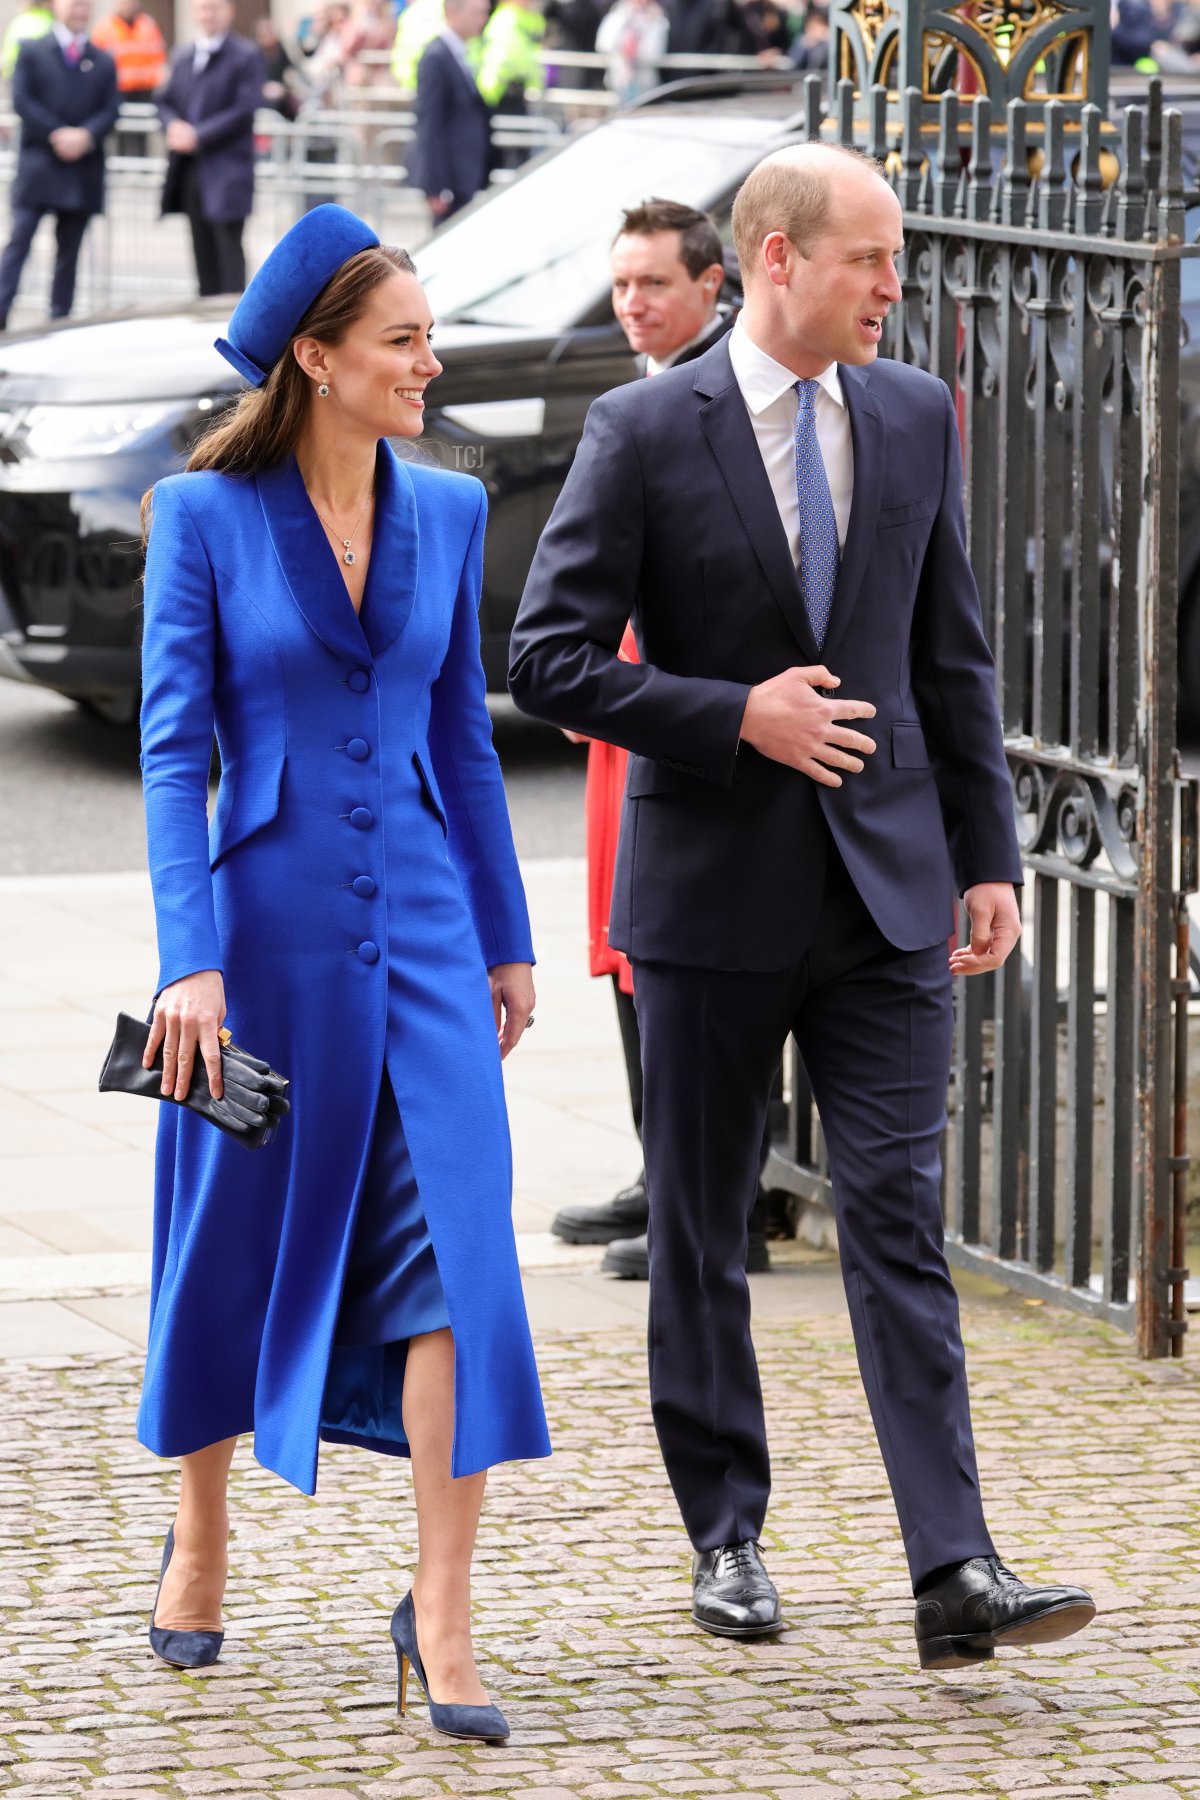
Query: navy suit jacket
{"type": "Point", "coordinates": [48, 93]}
{"type": "Point", "coordinates": [667, 515]}
{"type": "Point", "coordinates": [451, 150]}
{"type": "Point", "coordinates": [220, 102]}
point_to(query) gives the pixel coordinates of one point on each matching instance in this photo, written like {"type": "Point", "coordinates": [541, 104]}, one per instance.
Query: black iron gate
{"type": "Point", "coordinates": [1042, 283]}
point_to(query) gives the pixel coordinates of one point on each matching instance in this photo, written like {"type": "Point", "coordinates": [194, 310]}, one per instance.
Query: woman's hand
{"type": "Point", "coordinates": [187, 1018]}
{"type": "Point", "coordinates": [512, 993]}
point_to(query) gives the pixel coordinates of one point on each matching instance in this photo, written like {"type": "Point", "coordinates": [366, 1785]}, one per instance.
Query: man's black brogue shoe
{"type": "Point", "coordinates": [624, 1216]}
{"type": "Point", "coordinates": [732, 1594]}
{"type": "Point", "coordinates": [981, 1607]}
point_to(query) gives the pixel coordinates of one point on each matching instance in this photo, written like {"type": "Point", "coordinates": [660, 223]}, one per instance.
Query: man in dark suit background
{"type": "Point", "coordinates": [207, 108]}
{"type": "Point", "coordinates": [783, 520]}
{"type": "Point", "coordinates": [450, 157]}
{"type": "Point", "coordinates": [668, 269]}
{"type": "Point", "coordinates": [65, 95]}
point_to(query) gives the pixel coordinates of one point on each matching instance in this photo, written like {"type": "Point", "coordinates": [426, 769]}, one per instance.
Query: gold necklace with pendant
{"type": "Point", "coordinates": [348, 554]}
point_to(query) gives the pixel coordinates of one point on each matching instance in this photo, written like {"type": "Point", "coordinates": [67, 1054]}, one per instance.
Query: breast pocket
{"type": "Point", "coordinates": [906, 512]}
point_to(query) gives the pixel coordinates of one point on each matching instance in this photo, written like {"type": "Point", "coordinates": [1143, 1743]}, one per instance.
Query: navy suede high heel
{"type": "Point", "coordinates": [182, 1649]}
{"type": "Point", "coordinates": [485, 1723]}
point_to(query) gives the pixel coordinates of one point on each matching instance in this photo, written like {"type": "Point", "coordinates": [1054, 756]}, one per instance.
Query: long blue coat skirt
{"type": "Point", "coordinates": [357, 882]}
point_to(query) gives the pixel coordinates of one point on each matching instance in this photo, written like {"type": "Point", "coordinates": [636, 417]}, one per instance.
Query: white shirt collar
{"type": "Point", "coordinates": [67, 38]}
{"type": "Point", "coordinates": [654, 367]}
{"type": "Point", "coordinates": [762, 379]}
{"type": "Point", "coordinates": [210, 46]}
{"type": "Point", "coordinates": [459, 48]}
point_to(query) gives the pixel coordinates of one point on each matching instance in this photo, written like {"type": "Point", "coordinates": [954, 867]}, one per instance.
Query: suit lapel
{"type": "Point", "coordinates": [726, 424]}
{"type": "Point", "coordinates": [868, 433]}
{"type": "Point", "coordinates": [464, 73]}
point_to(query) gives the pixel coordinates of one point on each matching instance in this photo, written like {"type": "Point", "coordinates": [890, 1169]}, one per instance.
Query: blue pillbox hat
{"type": "Point", "coordinates": [301, 264]}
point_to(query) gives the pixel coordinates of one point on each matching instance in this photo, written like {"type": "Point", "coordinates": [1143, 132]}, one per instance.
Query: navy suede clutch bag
{"type": "Point", "coordinates": [249, 1110]}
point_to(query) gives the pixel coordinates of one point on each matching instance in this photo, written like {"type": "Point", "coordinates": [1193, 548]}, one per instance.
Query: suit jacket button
{"type": "Point", "coordinates": [358, 680]}
{"type": "Point", "coordinates": [362, 818]}
{"type": "Point", "coordinates": [358, 749]}
{"type": "Point", "coordinates": [368, 952]}
{"type": "Point", "coordinates": [363, 886]}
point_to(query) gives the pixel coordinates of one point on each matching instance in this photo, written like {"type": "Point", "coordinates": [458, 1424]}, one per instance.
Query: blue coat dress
{"type": "Point", "coordinates": [357, 882]}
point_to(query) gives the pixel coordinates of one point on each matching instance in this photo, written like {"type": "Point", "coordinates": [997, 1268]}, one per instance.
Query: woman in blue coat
{"type": "Point", "coordinates": [357, 902]}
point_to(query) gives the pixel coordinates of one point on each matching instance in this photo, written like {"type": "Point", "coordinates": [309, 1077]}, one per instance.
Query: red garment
{"type": "Point", "coordinates": [602, 806]}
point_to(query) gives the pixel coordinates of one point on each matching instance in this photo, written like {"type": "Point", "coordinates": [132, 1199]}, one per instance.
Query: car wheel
{"type": "Point", "coordinates": [114, 709]}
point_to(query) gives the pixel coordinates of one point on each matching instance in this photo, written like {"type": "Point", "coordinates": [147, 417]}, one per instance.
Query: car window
{"type": "Point", "coordinates": [534, 254]}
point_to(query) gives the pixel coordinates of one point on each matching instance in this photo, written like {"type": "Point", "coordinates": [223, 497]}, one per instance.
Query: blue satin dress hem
{"type": "Point", "coordinates": [392, 1293]}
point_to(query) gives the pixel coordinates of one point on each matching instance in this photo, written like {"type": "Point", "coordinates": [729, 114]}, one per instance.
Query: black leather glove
{"type": "Point", "coordinates": [254, 1100]}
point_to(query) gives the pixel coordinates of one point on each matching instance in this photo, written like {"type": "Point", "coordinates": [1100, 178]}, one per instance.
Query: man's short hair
{"type": "Point", "coordinates": [699, 239]}
{"type": "Point", "coordinates": [778, 196]}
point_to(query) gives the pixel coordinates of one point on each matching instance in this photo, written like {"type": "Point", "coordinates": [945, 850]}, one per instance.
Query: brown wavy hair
{"type": "Point", "coordinates": [264, 427]}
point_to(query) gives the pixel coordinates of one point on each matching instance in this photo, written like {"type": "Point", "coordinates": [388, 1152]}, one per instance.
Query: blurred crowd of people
{"type": "Point", "coordinates": [1156, 36]}
{"type": "Point", "coordinates": [348, 44]}
{"type": "Point", "coordinates": [462, 61]}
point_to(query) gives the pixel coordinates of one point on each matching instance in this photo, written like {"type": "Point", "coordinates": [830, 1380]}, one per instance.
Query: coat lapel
{"type": "Point", "coordinates": [868, 434]}
{"type": "Point", "coordinates": [391, 590]}
{"type": "Point", "coordinates": [311, 569]}
{"type": "Point", "coordinates": [308, 562]}
{"type": "Point", "coordinates": [727, 426]}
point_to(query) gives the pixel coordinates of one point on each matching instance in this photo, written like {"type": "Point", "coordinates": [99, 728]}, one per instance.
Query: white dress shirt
{"type": "Point", "coordinates": [67, 38]}
{"type": "Point", "coordinates": [656, 368]}
{"type": "Point", "coordinates": [205, 49]}
{"type": "Point", "coordinates": [769, 392]}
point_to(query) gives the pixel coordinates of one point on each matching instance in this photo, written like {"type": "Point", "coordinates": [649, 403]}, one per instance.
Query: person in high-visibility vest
{"type": "Point", "coordinates": [510, 63]}
{"type": "Point", "coordinates": [416, 29]}
{"type": "Point", "coordinates": [34, 22]}
{"type": "Point", "coordinates": [136, 45]}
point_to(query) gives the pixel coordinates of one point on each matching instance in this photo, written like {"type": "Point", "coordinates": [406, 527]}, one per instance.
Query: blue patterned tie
{"type": "Point", "coordinates": [819, 550]}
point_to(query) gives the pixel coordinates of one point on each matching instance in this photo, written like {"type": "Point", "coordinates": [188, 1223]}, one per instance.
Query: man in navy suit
{"type": "Point", "coordinates": [207, 108]}
{"type": "Point", "coordinates": [65, 95]}
{"type": "Point", "coordinates": [817, 764]}
{"type": "Point", "coordinates": [451, 153]}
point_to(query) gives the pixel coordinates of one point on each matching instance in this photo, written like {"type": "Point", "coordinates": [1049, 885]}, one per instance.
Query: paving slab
{"type": "Point", "coordinates": [582, 1595]}
{"type": "Point", "coordinates": [1090, 1463]}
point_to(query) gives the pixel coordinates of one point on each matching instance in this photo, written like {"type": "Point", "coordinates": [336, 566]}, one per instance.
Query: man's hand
{"type": "Point", "coordinates": [181, 137]}
{"type": "Point", "coordinates": [70, 142]}
{"type": "Point", "coordinates": [789, 721]}
{"type": "Point", "coordinates": [995, 927]}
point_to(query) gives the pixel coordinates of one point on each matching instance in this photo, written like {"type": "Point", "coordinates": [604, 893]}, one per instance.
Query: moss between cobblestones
{"type": "Point", "coordinates": [1091, 1468]}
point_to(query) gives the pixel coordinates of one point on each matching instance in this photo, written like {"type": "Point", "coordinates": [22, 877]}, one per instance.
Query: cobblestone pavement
{"type": "Point", "coordinates": [1091, 1464]}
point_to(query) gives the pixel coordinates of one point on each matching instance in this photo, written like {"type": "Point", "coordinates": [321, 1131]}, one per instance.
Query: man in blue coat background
{"type": "Point", "coordinates": [65, 95]}
{"type": "Point", "coordinates": [817, 767]}
{"type": "Point", "coordinates": [451, 154]}
{"type": "Point", "coordinates": [207, 108]}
